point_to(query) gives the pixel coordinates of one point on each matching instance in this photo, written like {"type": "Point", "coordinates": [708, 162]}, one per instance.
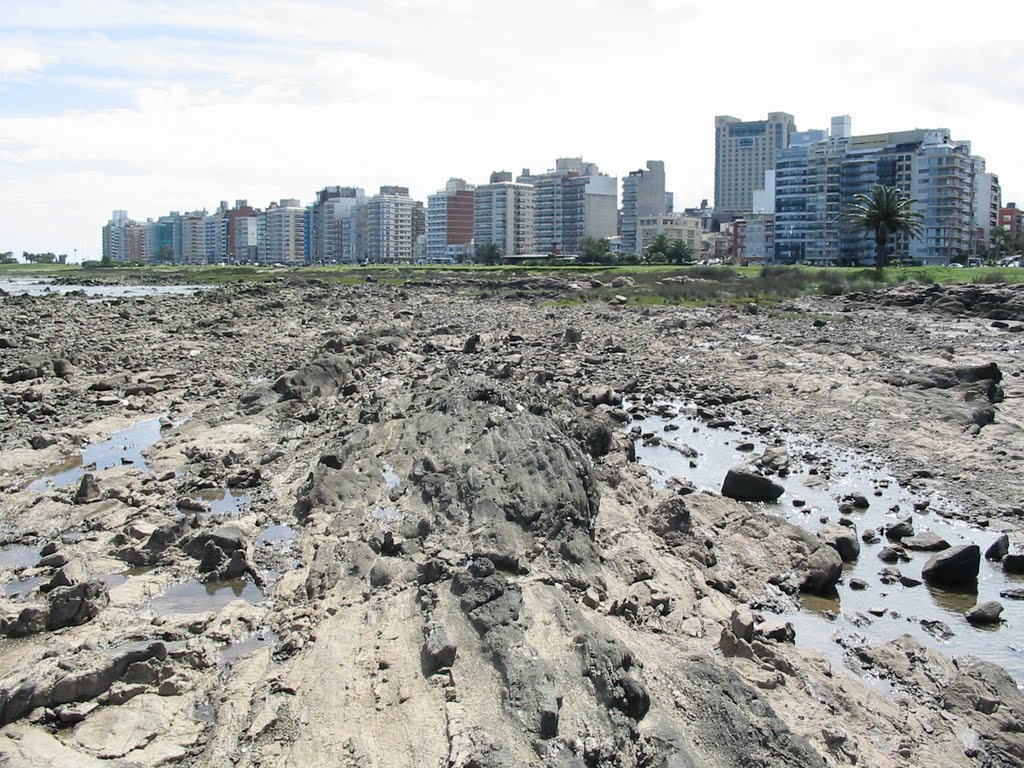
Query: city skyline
{"type": "Point", "coordinates": [159, 107]}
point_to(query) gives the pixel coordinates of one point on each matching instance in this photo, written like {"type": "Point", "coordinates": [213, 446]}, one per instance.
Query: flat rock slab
{"type": "Point", "coordinates": [926, 542]}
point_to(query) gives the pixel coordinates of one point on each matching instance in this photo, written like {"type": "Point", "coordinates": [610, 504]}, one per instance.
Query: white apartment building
{"type": "Point", "coordinates": [284, 233]}
{"type": "Point", "coordinates": [503, 214]}
{"type": "Point", "coordinates": [675, 226]}
{"type": "Point", "coordinates": [743, 152]}
{"type": "Point", "coordinates": [389, 233]}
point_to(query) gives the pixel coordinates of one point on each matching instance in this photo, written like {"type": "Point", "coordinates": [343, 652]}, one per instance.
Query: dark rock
{"type": "Point", "coordinates": [985, 613]}
{"type": "Point", "coordinates": [926, 542]}
{"type": "Point", "coordinates": [843, 540]}
{"type": "Point", "coordinates": [999, 548]}
{"type": "Point", "coordinates": [227, 538]}
{"type": "Point", "coordinates": [1017, 593]}
{"type": "Point", "coordinates": [858, 584]}
{"type": "Point", "coordinates": [1013, 563]}
{"type": "Point", "coordinates": [903, 529]}
{"type": "Point", "coordinates": [77, 604]}
{"type": "Point", "coordinates": [821, 570]}
{"type": "Point", "coordinates": [438, 650]}
{"type": "Point", "coordinates": [957, 565]}
{"type": "Point", "coordinates": [743, 483]}
{"type": "Point", "coordinates": [88, 490]}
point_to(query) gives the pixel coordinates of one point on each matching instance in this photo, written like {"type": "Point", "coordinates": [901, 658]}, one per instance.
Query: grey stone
{"type": "Point", "coordinates": [957, 565]}
{"type": "Point", "coordinates": [985, 613]}
{"type": "Point", "coordinates": [744, 483]}
{"type": "Point", "coordinates": [926, 542]}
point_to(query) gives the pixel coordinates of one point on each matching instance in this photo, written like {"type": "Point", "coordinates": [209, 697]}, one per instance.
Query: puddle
{"type": "Point", "coordinates": [223, 502]}
{"type": "Point", "coordinates": [196, 597]}
{"type": "Point", "coordinates": [204, 712]}
{"type": "Point", "coordinates": [227, 656]}
{"type": "Point", "coordinates": [390, 476]}
{"type": "Point", "coordinates": [18, 556]}
{"type": "Point", "coordinates": [388, 516]}
{"type": "Point", "coordinates": [123, 447]}
{"type": "Point", "coordinates": [276, 533]}
{"type": "Point", "coordinates": [843, 472]}
{"type": "Point", "coordinates": [20, 590]}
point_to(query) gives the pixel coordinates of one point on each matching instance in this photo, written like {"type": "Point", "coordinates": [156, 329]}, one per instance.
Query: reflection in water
{"type": "Point", "coordinates": [196, 597]}
{"type": "Point", "coordinates": [954, 601]}
{"type": "Point", "coordinates": [122, 447]}
{"type": "Point", "coordinates": [820, 476]}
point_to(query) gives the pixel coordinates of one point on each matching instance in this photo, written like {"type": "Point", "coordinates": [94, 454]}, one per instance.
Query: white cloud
{"type": "Point", "coordinates": [276, 99]}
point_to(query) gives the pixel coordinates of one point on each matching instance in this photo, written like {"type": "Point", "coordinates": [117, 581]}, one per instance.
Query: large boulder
{"type": "Point", "coordinates": [842, 539]}
{"type": "Point", "coordinates": [744, 483]}
{"type": "Point", "coordinates": [954, 566]}
{"type": "Point", "coordinates": [926, 541]}
{"type": "Point", "coordinates": [821, 570]}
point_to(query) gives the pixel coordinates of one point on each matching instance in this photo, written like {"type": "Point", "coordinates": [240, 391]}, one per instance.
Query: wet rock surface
{"type": "Point", "coordinates": [384, 525]}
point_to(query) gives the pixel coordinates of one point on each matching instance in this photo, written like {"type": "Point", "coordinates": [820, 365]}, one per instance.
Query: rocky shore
{"type": "Point", "coordinates": [301, 524]}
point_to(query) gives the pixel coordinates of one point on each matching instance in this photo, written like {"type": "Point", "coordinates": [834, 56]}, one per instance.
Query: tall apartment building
{"type": "Point", "coordinates": [744, 150]}
{"type": "Point", "coordinates": [281, 233]}
{"type": "Point", "coordinates": [987, 200]}
{"type": "Point", "coordinates": [449, 223]}
{"type": "Point", "coordinates": [503, 214]}
{"type": "Point", "coordinates": [124, 239]}
{"type": "Point", "coordinates": [390, 226]}
{"type": "Point", "coordinates": [643, 195]}
{"type": "Point", "coordinates": [572, 201]}
{"type": "Point", "coordinates": [818, 177]}
{"type": "Point", "coordinates": [333, 206]}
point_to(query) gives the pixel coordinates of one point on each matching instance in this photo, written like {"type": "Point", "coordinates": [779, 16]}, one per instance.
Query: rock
{"type": "Point", "coordinates": [41, 441]}
{"type": "Point", "coordinates": [77, 604]}
{"type": "Point", "coordinates": [985, 613]}
{"type": "Point", "coordinates": [869, 536]}
{"type": "Point", "coordinates": [843, 540]}
{"type": "Point", "coordinates": [957, 565]}
{"type": "Point", "coordinates": [858, 584]}
{"type": "Point", "coordinates": [891, 555]}
{"type": "Point", "coordinates": [999, 548]}
{"type": "Point", "coordinates": [779, 631]}
{"type": "Point", "coordinates": [572, 335]}
{"type": "Point", "coordinates": [1017, 593]}
{"type": "Point", "coordinates": [822, 570]}
{"type": "Point", "coordinates": [438, 650]}
{"type": "Point", "coordinates": [472, 344]}
{"type": "Point", "coordinates": [744, 483]}
{"type": "Point", "coordinates": [227, 538]}
{"type": "Point", "coordinates": [742, 623]}
{"type": "Point", "coordinates": [900, 530]}
{"type": "Point", "coordinates": [856, 500]}
{"type": "Point", "coordinates": [926, 542]}
{"type": "Point", "coordinates": [1013, 563]}
{"type": "Point", "coordinates": [88, 490]}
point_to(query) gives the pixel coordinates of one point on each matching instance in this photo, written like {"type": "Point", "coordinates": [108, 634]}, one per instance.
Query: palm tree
{"type": "Point", "coordinates": [680, 252]}
{"type": "Point", "coordinates": [659, 248]}
{"type": "Point", "coordinates": [885, 213]}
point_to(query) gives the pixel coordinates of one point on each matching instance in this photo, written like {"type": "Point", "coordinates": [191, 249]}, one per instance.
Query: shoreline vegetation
{"type": "Point", "coordinates": [698, 285]}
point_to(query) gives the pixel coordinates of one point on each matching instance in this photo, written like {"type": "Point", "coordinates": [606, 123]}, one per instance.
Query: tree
{"type": "Point", "coordinates": [595, 250]}
{"type": "Point", "coordinates": [659, 249]}
{"type": "Point", "coordinates": [7, 257]}
{"type": "Point", "coordinates": [680, 252]}
{"type": "Point", "coordinates": [488, 253]}
{"type": "Point", "coordinates": [884, 212]}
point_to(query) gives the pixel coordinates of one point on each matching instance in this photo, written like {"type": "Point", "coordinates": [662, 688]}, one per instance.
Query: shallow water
{"type": "Point", "coordinates": [843, 472]}
{"type": "Point", "coordinates": [196, 597]}
{"type": "Point", "coordinates": [223, 502]}
{"type": "Point", "coordinates": [41, 286]}
{"type": "Point", "coordinates": [276, 533]}
{"type": "Point", "coordinates": [18, 556]}
{"type": "Point", "coordinates": [125, 446]}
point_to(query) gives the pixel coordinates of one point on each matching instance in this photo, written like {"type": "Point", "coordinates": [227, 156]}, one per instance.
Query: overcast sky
{"type": "Point", "coordinates": [159, 106]}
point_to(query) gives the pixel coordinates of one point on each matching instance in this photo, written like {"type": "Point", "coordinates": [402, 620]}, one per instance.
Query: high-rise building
{"type": "Point", "coordinates": [281, 233]}
{"type": "Point", "coordinates": [449, 223]}
{"type": "Point", "coordinates": [503, 215]}
{"type": "Point", "coordinates": [389, 226]}
{"type": "Point", "coordinates": [987, 199]}
{"type": "Point", "coordinates": [743, 152]}
{"type": "Point", "coordinates": [643, 195]}
{"type": "Point", "coordinates": [818, 177]}
{"type": "Point", "coordinates": [572, 201]}
{"type": "Point", "coordinates": [333, 205]}
{"type": "Point", "coordinates": [124, 239]}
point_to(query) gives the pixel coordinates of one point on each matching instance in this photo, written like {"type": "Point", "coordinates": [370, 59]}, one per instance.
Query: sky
{"type": "Point", "coordinates": [153, 106]}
